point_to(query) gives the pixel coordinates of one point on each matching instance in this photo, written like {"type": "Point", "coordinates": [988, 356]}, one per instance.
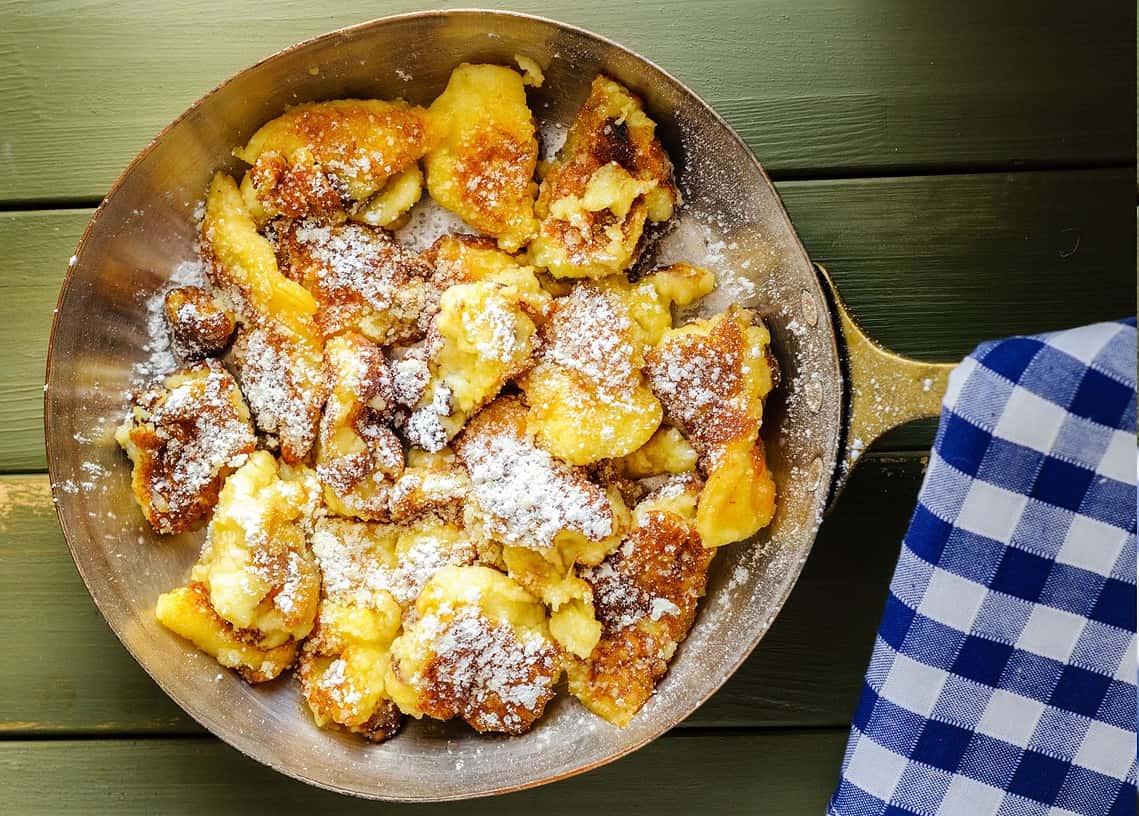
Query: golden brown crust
{"type": "Point", "coordinates": [454, 258]}
{"type": "Point", "coordinates": [199, 325]}
{"type": "Point", "coordinates": [700, 382]}
{"type": "Point", "coordinates": [359, 455]}
{"type": "Point", "coordinates": [183, 436]}
{"type": "Point", "coordinates": [362, 278]}
{"type": "Point", "coordinates": [319, 158]}
{"type": "Point", "coordinates": [483, 167]}
{"type": "Point", "coordinates": [294, 188]}
{"type": "Point", "coordinates": [712, 377]}
{"type": "Point", "coordinates": [487, 676]}
{"type": "Point", "coordinates": [336, 703]}
{"type": "Point", "coordinates": [527, 496]}
{"type": "Point", "coordinates": [610, 139]}
{"type": "Point", "coordinates": [384, 723]}
{"type": "Point", "coordinates": [284, 390]}
{"type": "Point", "coordinates": [496, 169]}
{"type": "Point", "coordinates": [608, 473]}
{"type": "Point", "coordinates": [645, 594]}
{"type": "Point", "coordinates": [599, 136]}
{"type": "Point", "coordinates": [432, 483]}
{"type": "Point", "coordinates": [188, 612]}
{"type": "Point", "coordinates": [661, 559]}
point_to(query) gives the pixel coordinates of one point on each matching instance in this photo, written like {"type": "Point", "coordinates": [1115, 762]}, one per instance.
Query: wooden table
{"type": "Point", "coordinates": [965, 171]}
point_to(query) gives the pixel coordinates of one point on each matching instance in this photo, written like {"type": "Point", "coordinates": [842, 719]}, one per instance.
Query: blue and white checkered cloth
{"type": "Point", "coordinates": [1003, 676]}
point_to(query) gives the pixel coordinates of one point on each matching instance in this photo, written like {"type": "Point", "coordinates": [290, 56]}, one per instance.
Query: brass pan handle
{"type": "Point", "coordinates": [883, 388]}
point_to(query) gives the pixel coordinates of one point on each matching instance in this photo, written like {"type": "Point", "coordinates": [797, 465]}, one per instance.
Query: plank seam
{"type": "Point", "coordinates": [806, 174]}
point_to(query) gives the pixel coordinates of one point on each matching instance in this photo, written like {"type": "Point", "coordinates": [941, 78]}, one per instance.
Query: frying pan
{"type": "Point", "coordinates": [839, 392]}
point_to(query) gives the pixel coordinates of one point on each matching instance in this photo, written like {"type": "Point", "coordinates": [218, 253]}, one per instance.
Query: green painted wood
{"type": "Point", "coordinates": [783, 773]}
{"type": "Point", "coordinates": [931, 264]}
{"type": "Point", "coordinates": [65, 673]}
{"type": "Point", "coordinates": [816, 89]}
{"type": "Point", "coordinates": [35, 248]}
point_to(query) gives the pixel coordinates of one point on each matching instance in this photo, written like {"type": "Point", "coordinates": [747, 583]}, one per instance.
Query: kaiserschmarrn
{"type": "Point", "coordinates": [435, 482]}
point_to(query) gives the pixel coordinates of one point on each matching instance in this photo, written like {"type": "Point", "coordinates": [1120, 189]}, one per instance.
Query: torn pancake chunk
{"type": "Point", "coordinates": [607, 181]}
{"type": "Point", "coordinates": [324, 157]}
{"type": "Point", "coordinates": [712, 377]}
{"type": "Point", "coordinates": [363, 280]}
{"type": "Point", "coordinates": [645, 593]}
{"type": "Point", "coordinates": [184, 435]}
{"type": "Point", "coordinates": [483, 168]}
{"type": "Point", "coordinates": [479, 649]}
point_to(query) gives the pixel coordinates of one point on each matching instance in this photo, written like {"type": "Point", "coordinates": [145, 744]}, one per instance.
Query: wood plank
{"type": "Point", "coordinates": [65, 673]}
{"type": "Point", "coordinates": [779, 773]}
{"type": "Point", "coordinates": [932, 265]}
{"type": "Point", "coordinates": [815, 89]}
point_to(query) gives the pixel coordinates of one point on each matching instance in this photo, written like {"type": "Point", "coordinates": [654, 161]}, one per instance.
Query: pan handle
{"type": "Point", "coordinates": [884, 389]}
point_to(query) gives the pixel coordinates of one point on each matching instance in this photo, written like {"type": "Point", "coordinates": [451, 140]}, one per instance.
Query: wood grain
{"type": "Point", "coordinates": [931, 265]}
{"type": "Point", "coordinates": [815, 89]}
{"type": "Point", "coordinates": [65, 673]}
{"type": "Point", "coordinates": [786, 773]}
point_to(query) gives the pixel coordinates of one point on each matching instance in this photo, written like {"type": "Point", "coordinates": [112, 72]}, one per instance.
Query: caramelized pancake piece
{"type": "Point", "coordinates": [183, 437]}
{"type": "Point", "coordinates": [278, 349]}
{"type": "Point", "coordinates": [550, 577]}
{"type": "Point", "coordinates": [321, 157]}
{"type": "Point", "coordinates": [186, 611]}
{"type": "Point", "coordinates": [364, 562]}
{"type": "Point", "coordinates": [610, 177]}
{"type": "Point", "coordinates": [362, 278]}
{"type": "Point", "coordinates": [255, 562]}
{"type": "Point", "coordinates": [462, 258]}
{"type": "Point", "coordinates": [666, 452]}
{"type": "Point", "coordinates": [466, 259]}
{"type": "Point", "coordinates": [284, 388]}
{"type": "Point", "coordinates": [650, 299]}
{"type": "Point", "coordinates": [484, 334]}
{"type": "Point", "coordinates": [200, 326]}
{"type": "Point", "coordinates": [243, 267]}
{"type": "Point", "coordinates": [523, 495]}
{"type": "Point", "coordinates": [712, 377]}
{"type": "Point", "coordinates": [358, 455]}
{"type": "Point", "coordinates": [372, 574]}
{"type": "Point", "coordinates": [388, 207]}
{"type": "Point", "coordinates": [477, 648]}
{"type": "Point", "coordinates": [346, 688]}
{"type": "Point", "coordinates": [483, 169]}
{"type": "Point", "coordinates": [588, 399]}
{"type": "Point", "coordinates": [431, 483]}
{"type": "Point", "coordinates": [645, 594]}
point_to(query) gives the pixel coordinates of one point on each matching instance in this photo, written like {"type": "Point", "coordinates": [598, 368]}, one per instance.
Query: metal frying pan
{"type": "Point", "coordinates": [145, 228]}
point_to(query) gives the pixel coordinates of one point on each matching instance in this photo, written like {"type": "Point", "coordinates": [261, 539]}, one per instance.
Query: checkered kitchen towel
{"type": "Point", "coordinates": [1003, 676]}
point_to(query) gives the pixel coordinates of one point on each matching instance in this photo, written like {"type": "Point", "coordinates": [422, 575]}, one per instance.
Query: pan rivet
{"type": "Point", "coordinates": [813, 392]}
{"type": "Point", "coordinates": [810, 309]}
{"type": "Point", "coordinates": [815, 473]}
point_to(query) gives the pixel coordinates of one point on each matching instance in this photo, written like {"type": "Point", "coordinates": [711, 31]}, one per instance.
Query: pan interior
{"type": "Point", "coordinates": [732, 220]}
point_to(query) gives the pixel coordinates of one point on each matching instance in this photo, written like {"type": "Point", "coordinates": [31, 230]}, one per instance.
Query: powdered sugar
{"type": "Point", "coordinates": [588, 334]}
{"type": "Point", "coordinates": [495, 322]}
{"type": "Point", "coordinates": [528, 495]}
{"type": "Point", "coordinates": [699, 242]}
{"type": "Point", "coordinates": [351, 558]}
{"type": "Point", "coordinates": [427, 222]}
{"type": "Point", "coordinates": [499, 679]}
{"type": "Point", "coordinates": [424, 426]}
{"type": "Point", "coordinates": [160, 359]}
{"type": "Point", "coordinates": [284, 392]}
{"type": "Point", "coordinates": [181, 438]}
